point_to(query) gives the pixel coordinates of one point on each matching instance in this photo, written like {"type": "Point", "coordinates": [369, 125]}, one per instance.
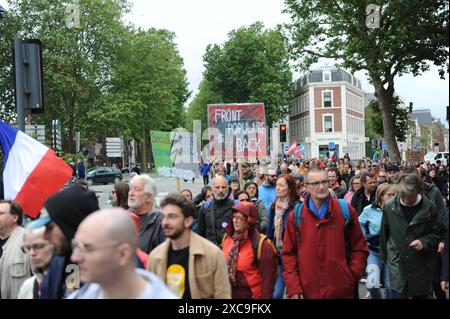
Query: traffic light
{"type": "Point", "coordinates": [28, 75]}
{"type": "Point", "coordinates": [283, 133]}
{"type": "Point", "coordinates": [1, 13]}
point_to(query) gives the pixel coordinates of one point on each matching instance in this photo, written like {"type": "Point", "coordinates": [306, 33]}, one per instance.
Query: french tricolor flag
{"type": "Point", "coordinates": [31, 171]}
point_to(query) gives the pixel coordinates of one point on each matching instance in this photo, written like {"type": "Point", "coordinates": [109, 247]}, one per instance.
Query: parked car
{"type": "Point", "coordinates": [103, 175]}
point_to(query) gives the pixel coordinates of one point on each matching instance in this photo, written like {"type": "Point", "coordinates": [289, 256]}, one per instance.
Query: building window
{"type": "Point", "coordinates": [326, 76]}
{"type": "Point", "coordinates": [328, 123]}
{"type": "Point", "coordinates": [327, 98]}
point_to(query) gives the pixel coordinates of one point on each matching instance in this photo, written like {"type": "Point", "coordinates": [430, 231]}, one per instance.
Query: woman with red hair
{"type": "Point", "coordinates": [283, 204]}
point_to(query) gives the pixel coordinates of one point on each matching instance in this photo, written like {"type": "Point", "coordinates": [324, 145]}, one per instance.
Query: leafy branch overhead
{"type": "Point", "coordinates": [251, 66]}
{"type": "Point", "coordinates": [399, 115]}
{"type": "Point", "coordinates": [412, 35]}
{"type": "Point", "coordinates": [103, 78]}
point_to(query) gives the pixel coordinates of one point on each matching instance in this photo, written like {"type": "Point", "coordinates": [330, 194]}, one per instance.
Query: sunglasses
{"type": "Point", "coordinates": [239, 218]}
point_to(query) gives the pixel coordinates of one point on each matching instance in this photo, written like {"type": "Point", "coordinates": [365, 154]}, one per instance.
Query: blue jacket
{"type": "Point", "coordinates": [81, 170]}
{"type": "Point", "coordinates": [267, 194]}
{"type": "Point", "coordinates": [204, 169]}
{"type": "Point", "coordinates": [370, 219]}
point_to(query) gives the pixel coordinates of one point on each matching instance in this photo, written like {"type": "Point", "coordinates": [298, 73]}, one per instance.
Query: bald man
{"type": "Point", "coordinates": [104, 247]}
{"type": "Point", "coordinates": [214, 215]}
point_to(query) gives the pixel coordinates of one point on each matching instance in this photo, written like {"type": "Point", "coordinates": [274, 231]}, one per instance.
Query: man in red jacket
{"type": "Point", "coordinates": [314, 258]}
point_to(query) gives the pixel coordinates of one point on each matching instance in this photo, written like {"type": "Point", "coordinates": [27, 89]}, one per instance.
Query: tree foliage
{"type": "Point", "coordinates": [412, 34]}
{"type": "Point", "coordinates": [399, 115]}
{"type": "Point", "coordinates": [104, 78]}
{"type": "Point", "coordinates": [198, 108]}
{"type": "Point", "coordinates": [147, 91]}
{"type": "Point", "coordinates": [76, 61]}
{"type": "Point", "coordinates": [251, 66]}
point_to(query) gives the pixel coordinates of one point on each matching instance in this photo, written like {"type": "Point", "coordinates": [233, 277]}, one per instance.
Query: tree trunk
{"type": "Point", "coordinates": [103, 151]}
{"type": "Point", "coordinates": [144, 150]}
{"type": "Point", "coordinates": [150, 151]}
{"type": "Point", "coordinates": [385, 98]}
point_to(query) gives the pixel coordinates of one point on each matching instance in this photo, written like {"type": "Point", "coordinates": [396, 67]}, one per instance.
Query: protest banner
{"type": "Point", "coordinates": [237, 130]}
{"type": "Point", "coordinates": [174, 154]}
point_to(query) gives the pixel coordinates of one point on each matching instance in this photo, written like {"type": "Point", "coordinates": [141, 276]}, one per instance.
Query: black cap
{"type": "Point", "coordinates": [69, 207]}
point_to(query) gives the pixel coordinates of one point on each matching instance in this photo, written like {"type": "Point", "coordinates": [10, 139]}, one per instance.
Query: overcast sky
{"type": "Point", "coordinates": [198, 23]}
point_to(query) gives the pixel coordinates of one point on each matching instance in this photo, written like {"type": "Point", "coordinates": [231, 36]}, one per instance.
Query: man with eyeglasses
{"type": "Point", "coordinates": [247, 173]}
{"type": "Point", "coordinates": [15, 267]}
{"type": "Point", "coordinates": [105, 247]}
{"type": "Point", "coordinates": [214, 215]}
{"type": "Point", "coordinates": [62, 214]}
{"type": "Point", "coordinates": [266, 191]}
{"type": "Point", "coordinates": [40, 251]}
{"type": "Point", "coordinates": [314, 252]}
{"type": "Point", "coordinates": [382, 177]}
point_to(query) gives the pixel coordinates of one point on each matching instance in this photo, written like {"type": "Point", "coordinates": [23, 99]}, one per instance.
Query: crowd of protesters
{"type": "Point", "coordinates": [298, 229]}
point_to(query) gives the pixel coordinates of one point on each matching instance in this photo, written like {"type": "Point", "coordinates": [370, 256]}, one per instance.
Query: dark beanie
{"type": "Point", "coordinates": [69, 207]}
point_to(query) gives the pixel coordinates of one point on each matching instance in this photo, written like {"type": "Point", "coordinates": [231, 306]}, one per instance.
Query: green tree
{"type": "Point", "coordinates": [369, 132]}
{"type": "Point", "coordinates": [76, 61]}
{"type": "Point", "coordinates": [412, 34]}
{"type": "Point", "coordinates": [399, 116]}
{"type": "Point", "coordinates": [426, 139]}
{"type": "Point", "coordinates": [147, 90]}
{"type": "Point", "coordinates": [9, 27]}
{"type": "Point", "coordinates": [198, 108]}
{"type": "Point", "coordinates": [251, 66]}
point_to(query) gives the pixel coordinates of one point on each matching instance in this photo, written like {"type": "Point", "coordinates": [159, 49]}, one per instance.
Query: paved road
{"type": "Point", "coordinates": [164, 186]}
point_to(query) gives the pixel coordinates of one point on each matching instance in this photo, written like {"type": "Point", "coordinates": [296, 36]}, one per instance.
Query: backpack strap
{"type": "Point", "coordinates": [257, 249]}
{"type": "Point", "coordinates": [343, 205]}
{"type": "Point", "coordinates": [257, 246]}
{"type": "Point", "coordinates": [223, 240]}
{"type": "Point", "coordinates": [298, 217]}
{"type": "Point", "coordinates": [261, 240]}
{"type": "Point", "coordinates": [213, 222]}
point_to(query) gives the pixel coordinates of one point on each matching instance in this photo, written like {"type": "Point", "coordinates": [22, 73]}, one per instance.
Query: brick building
{"type": "Point", "coordinates": [328, 109]}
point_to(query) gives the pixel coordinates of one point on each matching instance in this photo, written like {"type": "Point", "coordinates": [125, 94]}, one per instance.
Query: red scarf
{"type": "Point", "coordinates": [232, 259]}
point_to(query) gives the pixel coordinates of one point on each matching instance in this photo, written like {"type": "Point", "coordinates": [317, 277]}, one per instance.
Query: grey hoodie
{"type": "Point", "coordinates": [156, 289]}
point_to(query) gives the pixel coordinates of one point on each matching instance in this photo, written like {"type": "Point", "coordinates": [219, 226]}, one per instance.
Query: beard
{"type": "Point", "coordinates": [272, 182]}
{"type": "Point", "coordinates": [133, 204]}
{"type": "Point", "coordinates": [220, 197]}
{"type": "Point", "coordinates": [175, 234]}
{"type": "Point", "coordinates": [64, 249]}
